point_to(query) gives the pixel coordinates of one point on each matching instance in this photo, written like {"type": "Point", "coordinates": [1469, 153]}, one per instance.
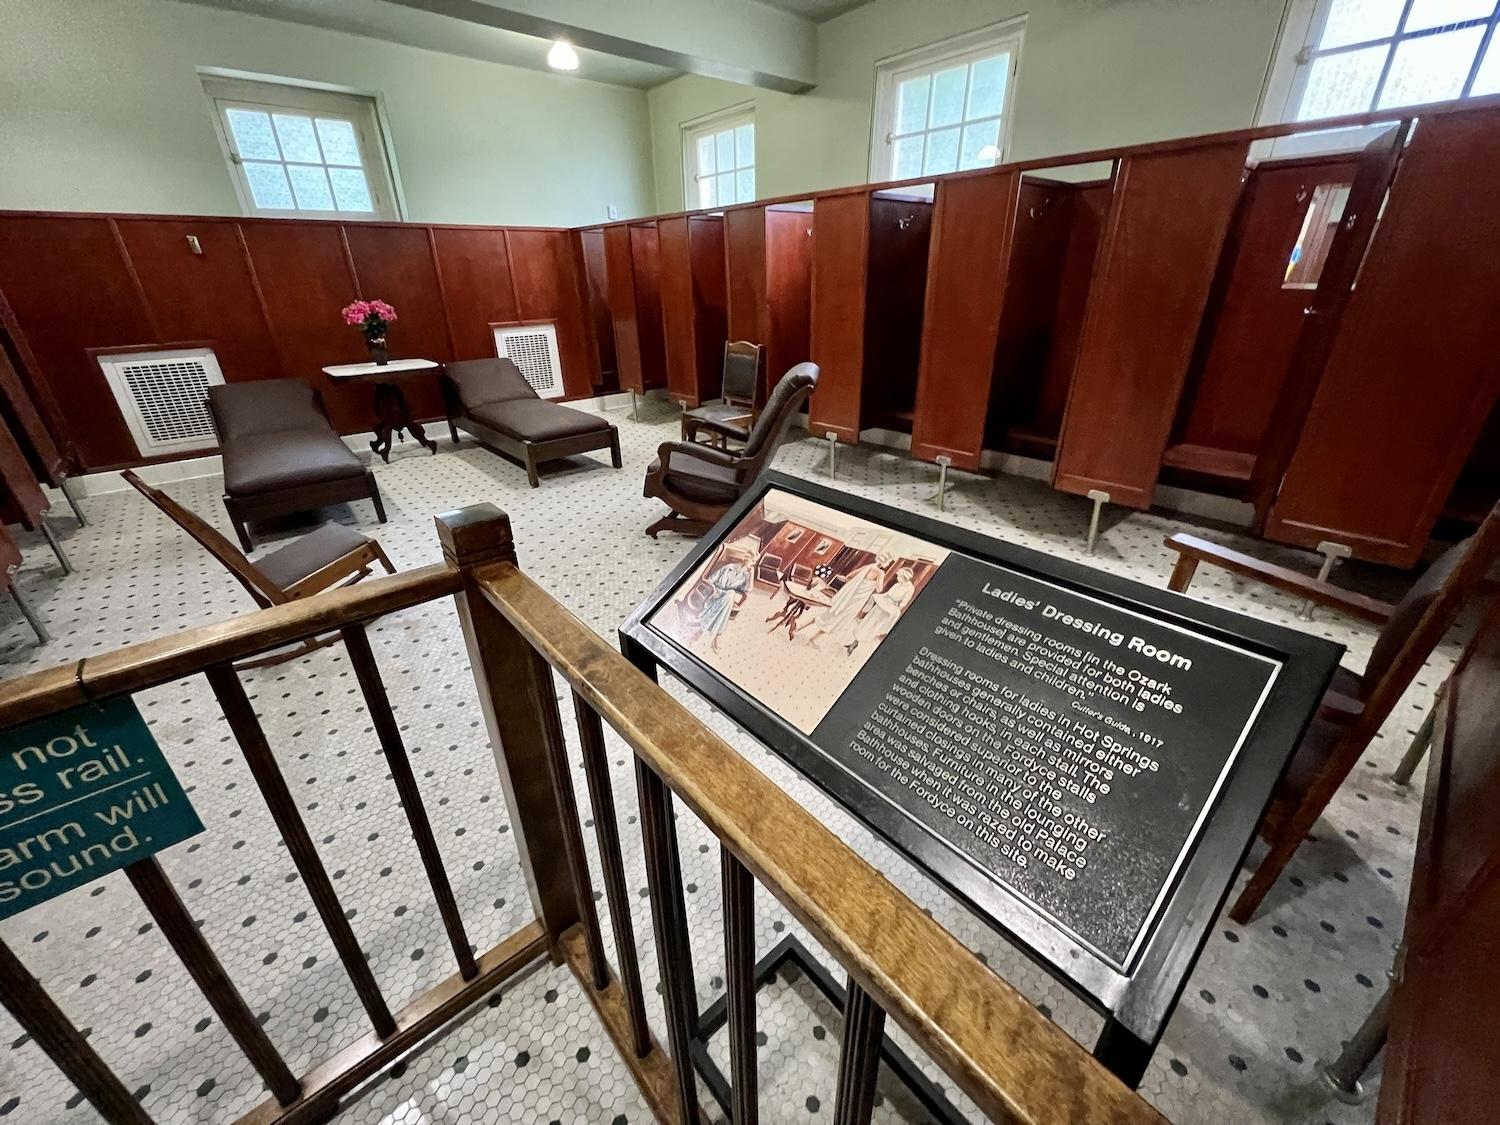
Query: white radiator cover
{"type": "Point", "coordinates": [163, 397]}
{"type": "Point", "coordinates": [533, 347]}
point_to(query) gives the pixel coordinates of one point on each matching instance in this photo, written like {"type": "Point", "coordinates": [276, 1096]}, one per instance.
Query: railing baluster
{"type": "Point", "coordinates": [572, 828]}
{"type": "Point", "coordinates": [859, 1057]}
{"type": "Point", "coordinates": [262, 762]}
{"type": "Point", "coordinates": [669, 919]}
{"type": "Point", "coordinates": [27, 1001]}
{"type": "Point", "coordinates": [176, 925]}
{"type": "Point", "coordinates": [739, 974]}
{"type": "Point", "coordinates": [378, 703]}
{"type": "Point", "coordinates": [607, 829]}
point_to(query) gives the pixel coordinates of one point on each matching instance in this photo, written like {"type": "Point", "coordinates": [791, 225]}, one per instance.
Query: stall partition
{"type": "Point", "coordinates": [768, 258]}
{"type": "Point", "coordinates": [632, 259]}
{"type": "Point", "coordinates": [869, 293]}
{"type": "Point", "coordinates": [1273, 259]}
{"type": "Point", "coordinates": [973, 227]}
{"type": "Point", "coordinates": [1059, 214]}
{"type": "Point", "coordinates": [1411, 377]}
{"type": "Point", "coordinates": [1168, 215]}
{"type": "Point", "coordinates": [601, 327]}
{"type": "Point", "coordinates": [694, 306]}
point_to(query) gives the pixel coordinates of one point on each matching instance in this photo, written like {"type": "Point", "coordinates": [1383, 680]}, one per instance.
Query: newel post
{"type": "Point", "coordinates": [520, 710]}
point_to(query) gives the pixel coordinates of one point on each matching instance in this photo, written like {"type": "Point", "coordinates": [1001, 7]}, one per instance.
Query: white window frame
{"type": "Point", "coordinates": [1008, 35]}
{"type": "Point", "coordinates": [359, 110]}
{"type": "Point", "coordinates": [717, 122]}
{"type": "Point", "coordinates": [1291, 65]}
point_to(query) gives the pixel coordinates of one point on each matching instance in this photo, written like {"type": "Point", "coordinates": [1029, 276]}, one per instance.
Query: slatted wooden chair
{"type": "Point", "coordinates": [333, 555]}
{"type": "Point", "coordinates": [731, 417]}
{"type": "Point", "coordinates": [1356, 703]}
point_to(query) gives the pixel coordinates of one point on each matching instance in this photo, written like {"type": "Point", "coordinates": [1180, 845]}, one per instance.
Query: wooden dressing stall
{"type": "Point", "coordinates": [601, 328]}
{"type": "Point", "coordinates": [632, 260]}
{"type": "Point", "coordinates": [694, 306]}
{"type": "Point", "coordinates": [1157, 258]}
{"type": "Point", "coordinates": [869, 294]}
{"type": "Point", "coordinates": [768, 262]}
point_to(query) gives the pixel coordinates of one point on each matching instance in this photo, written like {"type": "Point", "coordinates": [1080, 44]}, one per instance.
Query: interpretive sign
{"type": "Point", "coordinates": [83, 793]}
{"type": "Point", "coordinates": [1082, 758]}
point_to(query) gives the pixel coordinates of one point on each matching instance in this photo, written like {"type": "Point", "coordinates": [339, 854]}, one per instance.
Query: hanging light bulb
{"type": "Point", "coordinates": [562, 56]}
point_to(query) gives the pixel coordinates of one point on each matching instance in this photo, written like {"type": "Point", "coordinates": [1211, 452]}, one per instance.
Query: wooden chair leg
{"type": "Point", "coordinates": [531, 476]}
{"type": "Point", "coordinates": [375, 499]}
{"type": "Point", "coordinates": [1182, 573]}
{"type": "Point", "coordinates": [281, 656]}
{"type": "Point", "coordinates": [614, 448]}
{"type": "Point", "coordinates": [380, 557]}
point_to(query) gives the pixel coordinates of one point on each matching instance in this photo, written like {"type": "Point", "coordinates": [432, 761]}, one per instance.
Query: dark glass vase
{"type": "Point", "coordinates": [378, 351]}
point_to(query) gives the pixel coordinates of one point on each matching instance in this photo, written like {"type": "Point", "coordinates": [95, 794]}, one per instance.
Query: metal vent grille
{"type": "Point", "coordinates": [163, 397]}
{"type": "Point", "coordinates": [534, 349]}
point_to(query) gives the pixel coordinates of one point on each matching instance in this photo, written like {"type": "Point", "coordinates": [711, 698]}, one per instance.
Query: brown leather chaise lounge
{"type": "Point", "coordinates": [281, 454]}
{"type": "Point", "coordinates": [492, 401]}
{"type": "Point", "coordinates": [700, 483]}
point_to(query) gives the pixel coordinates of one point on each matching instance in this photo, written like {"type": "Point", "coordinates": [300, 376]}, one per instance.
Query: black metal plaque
{"type": "Point", "coordinates": [1081, 758]}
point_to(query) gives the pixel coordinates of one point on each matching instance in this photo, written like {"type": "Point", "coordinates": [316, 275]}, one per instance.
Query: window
{"type": "Point", "coordinates": [946, 107]}
{"type": "Point", "coordinates": [300, 152]}
{"type": "Point", "coordinates": [1355, 56]}
{"type": "Point", "coordinates": [718, 159]}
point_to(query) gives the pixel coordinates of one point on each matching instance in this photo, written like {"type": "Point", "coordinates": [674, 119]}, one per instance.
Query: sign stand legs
{"type": "Point", "coordinates": [62, 559]}
{"type": "Point", "coordinates": [1123, 1053]}
{"type": "Point", "coordinates": [1100, 499]}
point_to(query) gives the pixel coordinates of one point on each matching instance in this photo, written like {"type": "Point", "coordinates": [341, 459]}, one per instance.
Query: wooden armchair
{"type": "Point", "coordinates": [331, 556]}
{"type": "Point", "coordinates": [732, 416]}
{"type": "Point", "coordinates": [1356, 704]}
{"type": "Point", "coordinates": [700, 483]}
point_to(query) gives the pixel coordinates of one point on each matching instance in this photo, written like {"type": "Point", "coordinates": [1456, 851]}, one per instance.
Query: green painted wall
{"type": "Point", "coordinates": [101, 109]}
{"type": "Point", "coordinates": [1094, 73]}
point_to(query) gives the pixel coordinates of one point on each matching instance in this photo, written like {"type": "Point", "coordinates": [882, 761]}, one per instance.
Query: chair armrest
{"type": "Point", "coordinates": [1191, 550]}
{"type": "Point", "coordinates": [678, 449]}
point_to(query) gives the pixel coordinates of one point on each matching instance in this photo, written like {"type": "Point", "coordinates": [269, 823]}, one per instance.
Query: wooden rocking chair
{"type": "Point", "coordinates": [333, 555]}
{"type": "Point", "coordinates": [1356, 704]}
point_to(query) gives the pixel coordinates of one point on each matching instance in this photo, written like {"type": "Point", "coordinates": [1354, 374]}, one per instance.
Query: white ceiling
{"type": "Point", "coordinates": [815, 10]}
{"type": "Point", "coordinates": [400, 24]}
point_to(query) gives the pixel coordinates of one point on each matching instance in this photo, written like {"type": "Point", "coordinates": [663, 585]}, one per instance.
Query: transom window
{"type": "Point", "coordinates": [300, 152]}
{"type": "Point", "coordinates": [718, 159]}
{"type": "Point", "coordinates": [1363, 55]}
{"type": "Point", "coordinates": [945, 108]}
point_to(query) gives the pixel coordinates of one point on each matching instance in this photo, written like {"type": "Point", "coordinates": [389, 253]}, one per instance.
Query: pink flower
{"type": "Point", "coordinates": [356, 312]}
{"type": "Point", "coordinates": [382, 310]}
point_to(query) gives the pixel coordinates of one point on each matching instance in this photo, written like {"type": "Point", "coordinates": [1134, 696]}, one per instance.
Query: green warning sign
{"type": "Point", "coordinates": [83, 793]}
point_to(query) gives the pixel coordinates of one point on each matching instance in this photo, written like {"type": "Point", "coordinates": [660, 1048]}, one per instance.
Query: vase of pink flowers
{"type": "Point", "coordinates": [373, 319]}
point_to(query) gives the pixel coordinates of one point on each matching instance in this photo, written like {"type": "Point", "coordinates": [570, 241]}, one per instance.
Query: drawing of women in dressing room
{"type": "Point", "coordinates": [841, 619]}
{"type": "Point", "coordinates": [730, 586]}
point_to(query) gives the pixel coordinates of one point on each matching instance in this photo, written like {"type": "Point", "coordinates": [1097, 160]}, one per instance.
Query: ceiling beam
{"type": "Point", "coordinates": [772, 49]}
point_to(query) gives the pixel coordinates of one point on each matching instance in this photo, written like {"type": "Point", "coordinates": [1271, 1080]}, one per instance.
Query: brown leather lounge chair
{"type": "Point", "coordinates": [491, 399]}
{"type": "Point", "coordinates": [700, 483]}
{"type": "Point", "coordinates": [281, 454]}
{"type": "Point", "coordinates": [1356, 703]}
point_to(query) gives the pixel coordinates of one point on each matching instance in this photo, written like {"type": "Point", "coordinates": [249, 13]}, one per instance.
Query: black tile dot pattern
{"type": "Point", "coordinates": [1265, 1000]}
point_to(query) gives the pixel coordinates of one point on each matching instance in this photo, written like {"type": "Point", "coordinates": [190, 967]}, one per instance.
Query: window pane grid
{"type": "Point", "coordinates": [1434, 50]}
{"type": "Point", "coordinates": [948, 116]}
{"type": "Point", "coordinates": [724, 164]}
{"type": "Point", "coordinates": [295, 161]}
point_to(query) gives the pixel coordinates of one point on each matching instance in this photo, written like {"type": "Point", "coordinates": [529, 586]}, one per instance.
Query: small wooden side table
{"type": "Point", "coordinates": [392, 414]}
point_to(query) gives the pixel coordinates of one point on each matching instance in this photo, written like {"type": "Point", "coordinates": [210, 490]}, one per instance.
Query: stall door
{"type": "Point", "coordinates": [841, 243]}
{"type": "Point", "coordinates": [966, 273]}
{"type": "Point", "coordinates": [1323, 311]}
{"type": "Point", "coordinates": [620, 289]}
{"type": "Point", "coordinates": [1413, 373]}
{"type": "Point", "coordinates": [1158, 255]}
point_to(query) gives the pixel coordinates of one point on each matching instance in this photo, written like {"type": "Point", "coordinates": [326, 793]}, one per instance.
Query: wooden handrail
{"type": "Point", "coordinates": [169, 658]}
{"type": "Point", "coordinates": [1013, 1062]}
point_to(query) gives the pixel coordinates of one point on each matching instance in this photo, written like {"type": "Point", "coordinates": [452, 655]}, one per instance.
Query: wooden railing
{"type": "Point", "coordinates": [1014, 1063]}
